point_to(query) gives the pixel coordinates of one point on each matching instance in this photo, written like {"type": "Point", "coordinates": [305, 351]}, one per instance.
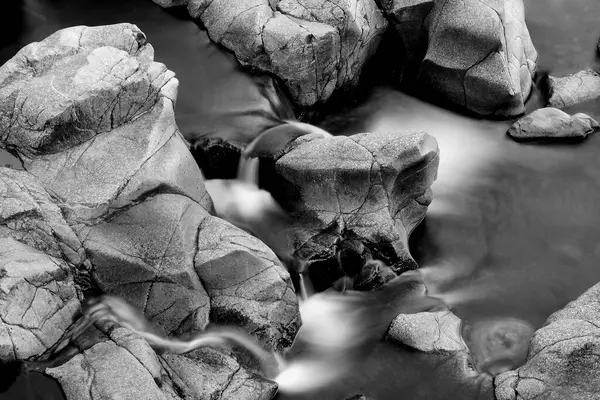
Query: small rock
{"type": "Point", "coordinates": [574, 89]}
{"type": "Point", "coordinates": [428, 331]}
{"type": "Point", "coordinates": [552, 123]}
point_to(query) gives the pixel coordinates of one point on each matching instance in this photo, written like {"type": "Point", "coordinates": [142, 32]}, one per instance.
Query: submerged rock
{"type": "Point", "coordinates": [552, 123]}
{"type": "Point", "coordinates": [479, 55]}
{"type": "Point", "coordinates": [563, 361]}
{"type": "Point", "coordinates": [91, 115]}
{"type": "Point", "coordinates": [314, 46]}
{"type": "Point", "coordinates": [498, 344]}
{"type": "Point", "coordinates": [574, 89]}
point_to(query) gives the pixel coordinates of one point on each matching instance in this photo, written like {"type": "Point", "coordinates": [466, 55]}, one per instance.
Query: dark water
{"type": "Point", "coordinates": [513, 229]}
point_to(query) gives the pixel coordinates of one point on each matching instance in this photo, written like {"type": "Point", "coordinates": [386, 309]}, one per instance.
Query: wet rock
{"type": "Point", "coordinates": [552, 123]}
{"type": "Point", "coordinates": [315, 47]}
{"type": "Point", "coordinates": [372, 275]}
{"type": "Point", "coordinates": [428, 331]}
{"type": "Point", "coordinates": [369, 187]}
{"type": "Point", "coordinates": [574, 89]}
{"type": "Point", "coordinates": [37, 300]}
{"type": "Point", "coordinates": [479, 55]}
{"type": "Point", "coordinates": [563, 359]}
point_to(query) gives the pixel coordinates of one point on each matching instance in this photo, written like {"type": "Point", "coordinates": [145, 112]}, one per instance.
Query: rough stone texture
{"type": "Point", "coordinates": [428, 331]}
{"type": "Point", "coordinates": [313, 46]}
{"type": "Point", "coordinates": [115, 363]}
{"type": "Point", "coordinates": [573, 89]}
{"type": "Point", "coordinates": [91, 115]}
{"type": "Point", "coordinates": [552, 123]}
{"type": "Point", "coordinates": [564, 356]}
{"type": "Point", "coordinates": [120, 366]}
{"type": "Point", "coordinates": [28, 214]}
{"type": "Point", "coordinates": [479, 55]}
{"type": "Point", "coordinates": [408, 17]}
{"type": "Point", "coordinates": [37, 300]}
{"type": "Point", "coordinates": [206, 372]}
{"type": "Point", "coordinates": [373, 187]}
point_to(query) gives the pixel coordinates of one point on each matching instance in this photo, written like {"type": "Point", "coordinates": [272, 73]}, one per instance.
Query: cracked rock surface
{"type": "Point", "coordinates": [38, 300]}
{"type": "Point", "coordinates": [373, 187]}
{"type": "Point", "coordinates": [111, 188]}
{"type": "Point", "coordinates": [115, 363]}
{"type": "Point", "coordinates": [552, 123]}
{"type": "Point", "coordinates": [479, 55]}
{"type": "Point", "coordinates": [428, 331]}
{"type": "Point", "coordinates": [564, 356]}
{"type": "Point", "coordinates": [574, 89]}
{"type": "Point", "coordinates": [313, 46]}
{"type": "Point", "coordinates": [408, 18]}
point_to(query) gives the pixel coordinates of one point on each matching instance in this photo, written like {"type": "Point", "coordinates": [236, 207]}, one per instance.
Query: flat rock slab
{"type": "Point", "coordinates": [552, 123]}
{"type": "Point", "coordinates": [574, 89]}
{"type": "Point", "coordinates": [479, 55]}
{"type": "Point", "coordinates": [564, 356]}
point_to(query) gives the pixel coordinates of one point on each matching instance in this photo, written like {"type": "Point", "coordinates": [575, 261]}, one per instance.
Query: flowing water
{"type": "Point", "coordinates": [511, 234]}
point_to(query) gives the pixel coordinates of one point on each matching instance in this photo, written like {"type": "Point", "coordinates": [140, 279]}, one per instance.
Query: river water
{"type": "Point", "coordinates": [512, 231]}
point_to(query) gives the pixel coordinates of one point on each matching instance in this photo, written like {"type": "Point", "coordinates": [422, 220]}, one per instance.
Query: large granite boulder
{"type": "Point", "coordinates": [563, 360]}
{"type": "Point", "coordinates": [313, 46]}
{"type": "Point", "coordinates": [111, 188]}
{"type": "Point", "coordinates": [552, 123]}
{"type": "Point", "coordinates": [479, 55]}
{"type": "Point", "coordinates": [373, 188]}
{"type": "Point", "coordinates": [574, 89]}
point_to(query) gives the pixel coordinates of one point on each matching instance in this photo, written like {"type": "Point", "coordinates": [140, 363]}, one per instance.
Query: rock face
{"type": "Point", "coordinates": [552, 123]}
{"type": "Point", "coordinates": [563, 360]}
{"type": "Point", "coordinates": [374, 188]}
{"type": "Point", "coordinates": [479, 55]}
{"type": "Point", "coordinates": [113, 199]}
{"type": "Point", "coordinates": [573, 89]}
{"type": "Point", "coordinates": [313, 46]}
